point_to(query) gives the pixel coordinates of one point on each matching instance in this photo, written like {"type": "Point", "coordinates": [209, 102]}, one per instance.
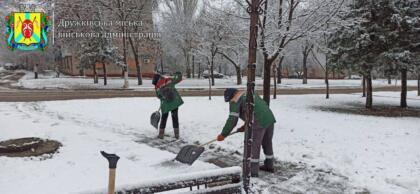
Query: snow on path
{"type": "Point", "coordinates": [78, 166]}
{"type": "Point", "coordinates": [377, 153]}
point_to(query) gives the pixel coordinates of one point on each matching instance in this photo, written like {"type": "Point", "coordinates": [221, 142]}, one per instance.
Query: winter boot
{"type": "Point", "coordinates": [254, 169]}
{"type": "Point", "coordinates": [268, 166]}
{"type": "Point", "coordinates": [161, 133]}
{"type": "Point", "coordinates": [176, 132]}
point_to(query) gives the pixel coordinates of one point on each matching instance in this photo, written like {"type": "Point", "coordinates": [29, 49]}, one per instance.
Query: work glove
{"type": "Point", "coordinates": [220, 138]}
{"type": "Point", "coordinates": [241, 129]}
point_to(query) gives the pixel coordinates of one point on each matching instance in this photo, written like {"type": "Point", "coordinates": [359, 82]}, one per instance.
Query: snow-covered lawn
{"type": "Point", "coordinates": [48, 81]}
{"type": "Point", "coordinates": [378, 153]}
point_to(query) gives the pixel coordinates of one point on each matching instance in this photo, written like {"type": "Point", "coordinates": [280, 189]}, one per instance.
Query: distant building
{"type": "Point", "coordinates": [147, 51]}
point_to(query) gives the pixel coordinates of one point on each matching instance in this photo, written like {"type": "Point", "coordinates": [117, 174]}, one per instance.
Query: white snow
{"type": "Point", "coordinates": [48, 81]}
{"type": "Point", "coordinates": [378, 153]}
{"type": "Point", "coordinates": [179, 177]}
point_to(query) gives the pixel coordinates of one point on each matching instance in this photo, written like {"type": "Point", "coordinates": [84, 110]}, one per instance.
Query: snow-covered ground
{"type": "Point", "coordinates": [48, 81]}
{"type": "Point", "coordinates": [377, 153]}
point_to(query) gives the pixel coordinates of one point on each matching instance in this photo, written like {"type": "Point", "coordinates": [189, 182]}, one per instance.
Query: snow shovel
{"type": "Point", "coordinates": [190, 153]}
{"type": "Point", "coordinates": [112, 159]}
{"type": "Point", "coordinates": [155, 119]}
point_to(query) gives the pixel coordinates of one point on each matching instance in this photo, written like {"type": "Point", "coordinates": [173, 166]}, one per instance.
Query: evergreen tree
{"type": "Point", "coordinates": [377, 35]}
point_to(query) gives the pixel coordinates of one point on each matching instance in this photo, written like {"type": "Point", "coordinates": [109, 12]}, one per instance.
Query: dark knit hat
{"type": "Point", "coordinates": [156, 78]}
{"type": "Point", "coordinates": [229, 93]}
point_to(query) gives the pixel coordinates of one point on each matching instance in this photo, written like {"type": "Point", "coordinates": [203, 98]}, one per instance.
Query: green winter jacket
{"type": "Point", "coordinates": [263, 116]}
{"type": "Point", "coordinates": [165, 105]}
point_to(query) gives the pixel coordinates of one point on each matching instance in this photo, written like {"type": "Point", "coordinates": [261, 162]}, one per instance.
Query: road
{"type": "Point", "coordinates": [18, 95]}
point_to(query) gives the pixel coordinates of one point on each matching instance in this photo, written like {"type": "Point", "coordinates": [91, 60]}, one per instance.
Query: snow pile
{"type": "Point", "coordinates": [176, 178]}
{"type": "Point", "coordinates": [377, 153]}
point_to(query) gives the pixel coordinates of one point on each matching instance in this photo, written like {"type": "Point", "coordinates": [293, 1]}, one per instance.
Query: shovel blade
{"type": "Point", "coordinates": [154, 119]}
{"type": "Point", "coordinates": [189, 154]}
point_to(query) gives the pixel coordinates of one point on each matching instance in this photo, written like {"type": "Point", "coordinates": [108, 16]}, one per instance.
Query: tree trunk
{"type": "Point", "coordinates": [136, 58]}
{"type": "Point", "coordinates": [105, 74]}
{"type": "Point", "coordinates": [267, 80]}
{"type": "Point", "coordinates": [187, 60]}
{"type": "Point", "coordinates": [193, 66]}
{"type": "Point", "coordinates": [199, 70]}
{"type": "Point", "coordinates": [305, 68]}
{"type": "Point", "coordinates": [418, 85]}
{"type": "Point", "coordinates": [95, 74]}
{"type": "Point", "coordinates": [369, 99]}
{"type": "Point", "coordinates": [327, 82]}
{"type": "Point", "coordinates": [139, 76]}
{"type": "Point", "coordinates": [364, 85]}
{"type": "Point", "coordinates": [279, 70]}
{"type": "Point", "coordinates": [275, 82]}
{"type": "Point", "coordinates": [125, 69]}
{"type": "Point", "coordinates": [210, 84]}
{"type": "Point", "coordinates": [389, 80]}
{"type": "Point", "coordinates": [161, 64]}
{"type": "Point", "coordinates": [238, 75]}
{"type": "Point", "coordinates": [252, 60]}
{"type": "Point", "coordinates": [404, 88]}
{"type": "Point", "coordinates": [212, 71]}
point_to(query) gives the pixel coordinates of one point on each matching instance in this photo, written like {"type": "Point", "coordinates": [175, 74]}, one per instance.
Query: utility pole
{"type": "Point", "coordinates": [254, 11]}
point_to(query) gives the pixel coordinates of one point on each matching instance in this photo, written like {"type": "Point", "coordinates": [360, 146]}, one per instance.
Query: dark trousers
{"type": "Point", "coordinates": [175, 121]}
{"type": "Point", "coordinates": [261, 137]}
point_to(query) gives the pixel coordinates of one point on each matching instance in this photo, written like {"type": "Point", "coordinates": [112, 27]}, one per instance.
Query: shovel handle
{"type": "Point", "coordinates": [214, 140]}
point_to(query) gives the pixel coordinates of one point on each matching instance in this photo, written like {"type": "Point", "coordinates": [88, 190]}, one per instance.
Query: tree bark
{"type": "Point", "coordinates": [187, 60]}
{"type": "Point", "coordinates": [212, 71]}
{"type": "Point", "coordinates": [327, 82]}
{"type": "Point", "coordinates": [389, 80]}
{"type": "Point", "coordinates": [404, 88]}
{"type": "Point", "coordinates": [305, 53]}
{"type": "Point", "coordinates": [105, 74]}
{"type": "Point", "coordinates": [199, 70]}
{"type": "Point", "coordinates": [125, 69]}
{"type": "Point", "coordinates": [369, 99]}
{"type": "Point", "coordinates": [279, 70]}
{"type": "Point", "coordinates": [193, 66]}
{"type": "Point", "coordinates": [136, 58]}
{"type": "Point", "coordinates": [267, 80]}
{"type": "Point", "coordinates": [238, 76]}
{"type": "Point", "coordinates": [305, 71]}
{"type": "Point", "coordinates": [161, 64]}
{"type": "Point", "coordinates": [275, 82]}
{"type": "Point", "coordinates": [252, 59]}
{"type": "Point", "coordinates": [418, 85]}
{"type": "Point", "coordinates": [95, 74]}
{"type": "Point", "coordinates": [237, 68]}
{"type": "Point", "coordinates": [364, 85]}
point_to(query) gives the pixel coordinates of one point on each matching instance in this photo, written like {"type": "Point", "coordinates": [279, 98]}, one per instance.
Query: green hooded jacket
{"type": "Point", "coordinates": [263, 116]}
{"type": "Point", "coordinates": [165, 105]}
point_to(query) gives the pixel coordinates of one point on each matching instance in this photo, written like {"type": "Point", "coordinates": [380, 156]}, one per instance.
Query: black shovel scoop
{"type": "Point", "coordinates": [155, 119]}
{"type": "Point", "coordinates": [190, 153]}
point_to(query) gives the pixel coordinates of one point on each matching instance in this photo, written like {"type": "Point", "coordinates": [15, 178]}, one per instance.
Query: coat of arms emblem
{"type": "Point", "coordinates": [27, 31]}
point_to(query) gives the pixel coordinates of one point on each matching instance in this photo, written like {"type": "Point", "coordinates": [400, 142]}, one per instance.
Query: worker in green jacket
{"type": "Point", "coordinates": [170, 101]}
{"type": "Point", "coordinates": [262, 128]}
